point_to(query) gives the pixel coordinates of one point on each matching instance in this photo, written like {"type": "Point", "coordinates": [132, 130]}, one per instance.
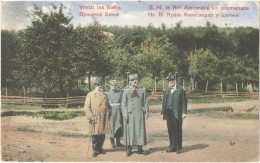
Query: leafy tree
{"type": "Point", "coordinates": [43, 60]}
{"type": "Point", "coordinates": [156, 58]}
{"type": "Point", "coordinates": [206, 64]}
{"type": "Point", "coordinates": [10, 46]}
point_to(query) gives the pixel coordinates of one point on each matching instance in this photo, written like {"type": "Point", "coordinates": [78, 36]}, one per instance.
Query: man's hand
{"type": "Point", "coordinates": [126, 119]}
{"type": "Point", "coordinates": [91, 121]}
{"type": "Point", "coordinates": [184, 116]}
{"type": "Point", "coordinates": [163, 117]}
{"type": "Point", "coordinates": [147, 116]}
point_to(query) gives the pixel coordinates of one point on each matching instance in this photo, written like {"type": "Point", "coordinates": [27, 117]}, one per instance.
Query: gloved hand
{"type": "Point", "coordinates": [126, 119]}
{"type": "Point", "coordinates": [91, 121]}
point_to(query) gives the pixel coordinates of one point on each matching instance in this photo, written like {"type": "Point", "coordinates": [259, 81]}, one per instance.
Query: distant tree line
{"type": "Point", "coordinates": [53, 54]}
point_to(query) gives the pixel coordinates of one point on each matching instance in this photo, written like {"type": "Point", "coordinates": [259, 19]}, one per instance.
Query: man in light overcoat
{"type": "Point", "coordinates": [174, 110]}
{"type": "Point", "coordinates": [97, 112]}
{"type": "Point", "coordinates": [135, 110]}
{"type": "Point", "coordinates": [116, 119]}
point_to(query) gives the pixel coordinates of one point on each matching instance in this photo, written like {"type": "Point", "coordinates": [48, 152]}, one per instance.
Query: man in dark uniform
{"type": "Point", "coordinates": [174, 110]}
{"type": "Point", "coordinates": [116, 118]}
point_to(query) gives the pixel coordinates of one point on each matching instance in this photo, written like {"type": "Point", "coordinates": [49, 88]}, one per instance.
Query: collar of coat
{"type": "Point", "coordinates": [100, 97]}
{"type": "Point", "coordinates": [176, 89]}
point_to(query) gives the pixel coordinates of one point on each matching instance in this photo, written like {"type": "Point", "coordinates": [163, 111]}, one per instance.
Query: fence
{"type": "Point", "coordinates": [42, 101]}
{"type": "Point", "coordinates": [19, 100]}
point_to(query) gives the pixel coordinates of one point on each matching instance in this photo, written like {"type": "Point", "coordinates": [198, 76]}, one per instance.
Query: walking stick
{"type": "Point", "coordinates": [90, 139]}
{"type": "Point", "coordinates": [126, 147]}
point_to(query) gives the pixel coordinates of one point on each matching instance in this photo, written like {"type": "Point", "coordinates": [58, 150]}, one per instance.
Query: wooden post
{"type": "Point", "coordinates": [221, 87]}
{"type": "Point", "coordinates": [207, 85]}
{"type": "Point", "coordinates": [6, 95]}
{"type": "Point", "coordinates": [24, 94]}
{"type": "Point", "coordinates": [236, 88]}
{"type": "Point", "coordinates": [155, 85]}
{"type": "Point", "coordinates": [163, 84]}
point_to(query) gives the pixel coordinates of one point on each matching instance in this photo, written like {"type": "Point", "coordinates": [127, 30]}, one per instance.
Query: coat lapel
{"type": "Point", "coordinates": [176, 90]}
{"type": "Point", "coordinates": [99, 97]}
{"type": "Point", "coordinates": [102, 98]}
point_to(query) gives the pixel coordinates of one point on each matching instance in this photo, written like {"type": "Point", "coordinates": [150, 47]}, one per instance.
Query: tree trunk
{"type": "Point", "coordinates": [45, 92]}
{"type": "Point", "coordinates": [236, 88]}
{"type": "Point", "coordinates": [89, 84]}
{"type": "Point", "coordinates": [221, 87]}
{"type": "Point", "coordinates": [207, 85]}
{"type": "Point", "coordinates": [24, 94]}
{"type": "Point", "coordinates": [6, 95]}
{"type": "Point", "coordinates": [192, 84]}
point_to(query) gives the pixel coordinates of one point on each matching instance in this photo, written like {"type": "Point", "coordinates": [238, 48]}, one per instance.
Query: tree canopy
{"type": "Point", "coordinates": [53, 54]}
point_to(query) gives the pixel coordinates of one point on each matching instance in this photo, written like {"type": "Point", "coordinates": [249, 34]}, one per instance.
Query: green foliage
{"type": "Point", "coordinates": [43, 59]}
{"type": "Point", "coordinates": [218, 100]}
{"type": "Point", "coordinates": [52, 55]}
{"type": "Point", "coordinates": [53, 115]}
{"type": "Point", "coordinates": [20, 107]}
{"type": "Point", "coordinates": [10, 46]}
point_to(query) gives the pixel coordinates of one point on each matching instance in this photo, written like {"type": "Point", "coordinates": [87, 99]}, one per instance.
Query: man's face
{"type": "Point", "coordinates": [172, 83]}
{"type": "Point", "coordinates": [113, 87]}
{"type": "Point", "coordinates": [134, 82]}
{"type": "Point", "coordinates": [99, 86]}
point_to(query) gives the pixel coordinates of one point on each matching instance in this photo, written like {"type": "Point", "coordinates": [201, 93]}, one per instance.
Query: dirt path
{"type": "Point", "coordinates": [205, 138]}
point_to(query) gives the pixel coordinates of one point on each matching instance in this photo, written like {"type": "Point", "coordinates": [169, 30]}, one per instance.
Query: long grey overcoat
{"type": "Point", "coordinates": [134, 106]}
{"type": "Point", "coordinates": [116, 119]}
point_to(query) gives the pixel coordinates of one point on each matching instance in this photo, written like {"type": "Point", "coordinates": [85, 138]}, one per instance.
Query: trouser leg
{"type": "Point", "coordinates": [112, 142]}
{"type": "Point", "coordinates": [101, 139]}
{"type": "Point", "coordinates": [170, 127]}
{"type": "Point", "coordinates": [94, 145]}
{"type": "Point", "coordinates": [94, 142]}
{"type": "Point", "coordinates": [118, 144]}
{"type": "Point", "coordinates": [179, 134]}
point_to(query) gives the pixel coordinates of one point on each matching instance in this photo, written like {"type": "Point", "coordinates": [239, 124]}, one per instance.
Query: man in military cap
{"type": "Point", "coordinates": [134, 108]}
{"type": "Point", "coordinates": [97, 113]}
{"type": "Point", "coordinates": [116, 119]}
{"type": "Point", "coordinates": [174, 110]}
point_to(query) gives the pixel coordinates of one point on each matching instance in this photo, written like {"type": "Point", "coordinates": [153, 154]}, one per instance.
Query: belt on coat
{"type": "Point", "coordinates": [115, 104]}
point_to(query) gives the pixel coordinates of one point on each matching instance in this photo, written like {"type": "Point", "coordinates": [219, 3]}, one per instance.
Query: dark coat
{"type": "Point", "coordinates": [180, 102]}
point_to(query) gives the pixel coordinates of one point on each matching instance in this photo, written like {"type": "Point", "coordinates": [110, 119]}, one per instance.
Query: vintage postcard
{"type": "Point", "coordinates": [130, 81]}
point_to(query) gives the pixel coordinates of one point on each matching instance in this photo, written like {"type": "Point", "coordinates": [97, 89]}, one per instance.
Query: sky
{"type": "Point", "coordinates": [14, 14]}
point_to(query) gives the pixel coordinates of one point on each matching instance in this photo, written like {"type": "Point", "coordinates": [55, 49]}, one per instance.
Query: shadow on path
{"type": "Point", "coordinates": [184, 149]}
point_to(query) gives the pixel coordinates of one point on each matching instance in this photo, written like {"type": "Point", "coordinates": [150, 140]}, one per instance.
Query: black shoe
{"type": "Point", "coordinates": [178, 151]}
{"type": "Point", "coordinates": [129, 151]}
{"type": "Point", "coordinates": [94, 153]}
{"type": "Point", "coordinates": [171, 150]}
{"type": "Point", "coordinates": [118, 144]}
{"type": "Point", "coordinates": [142, 152]}
{"type": "Point", "coordinates": [101, 151]}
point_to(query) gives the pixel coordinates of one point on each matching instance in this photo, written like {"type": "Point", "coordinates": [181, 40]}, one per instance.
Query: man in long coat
{"type": "Point", "coordinates": [135, 109]}
{"type": "Point", "coordinates": [174, 110]}
{"type": "Point", "coordinates": [116, 118]}
{"type": "Point", "coordinates": [97, 113]}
